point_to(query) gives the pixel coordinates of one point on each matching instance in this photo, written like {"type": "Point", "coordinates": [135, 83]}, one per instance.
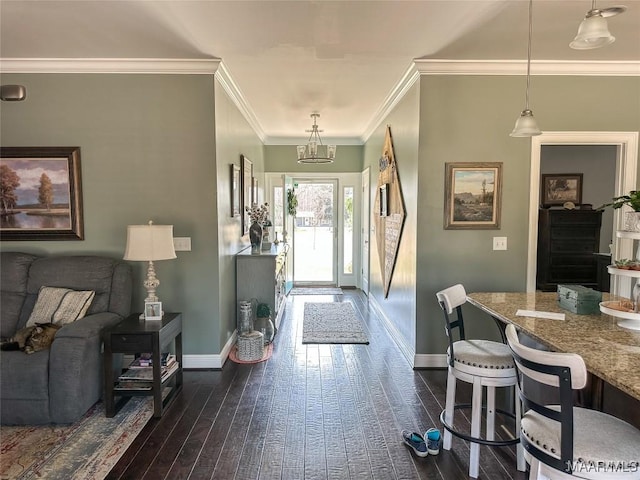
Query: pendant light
{"type": "Point", "coordinates": [593, 32]}
{"type": "Point", "coordinates": [526, 125]}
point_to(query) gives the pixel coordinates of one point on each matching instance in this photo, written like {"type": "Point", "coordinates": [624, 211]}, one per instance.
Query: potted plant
{"type": "Point", "coordinates": [264, 323]}
{"type": "Point", "coordinates": [631, 200]}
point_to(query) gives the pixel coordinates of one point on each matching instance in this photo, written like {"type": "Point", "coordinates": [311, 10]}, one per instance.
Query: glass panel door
{"type": "Point", "coordinates": [315, 232]}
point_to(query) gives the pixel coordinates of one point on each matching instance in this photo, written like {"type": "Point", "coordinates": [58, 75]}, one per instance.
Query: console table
{"type": "Point", "coordinates": [134, 336]}
{"type": "Point", "coordinates": [261, 275]}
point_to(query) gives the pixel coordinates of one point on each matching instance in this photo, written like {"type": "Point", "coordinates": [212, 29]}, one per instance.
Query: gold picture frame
{"type": "Point", "coordinates": [472, 195]}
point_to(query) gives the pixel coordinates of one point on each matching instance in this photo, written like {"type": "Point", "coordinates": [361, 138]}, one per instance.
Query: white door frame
{"type": "Point", "coordinates": [365, 231]}
{"type": "Point", "coordinates": [344, 180]}
{"type": "Point", "coordinates": [625, 180]}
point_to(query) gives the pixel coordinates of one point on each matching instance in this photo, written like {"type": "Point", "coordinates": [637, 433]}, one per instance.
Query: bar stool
{"type": "Point", "coordinates": [482, 363]}
{"type": "Point", "coordinates": [563, 441]}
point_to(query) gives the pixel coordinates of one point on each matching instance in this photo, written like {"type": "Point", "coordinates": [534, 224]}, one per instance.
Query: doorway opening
{"type": "Point", "coordinates": [626, 144]}
{"type": "Point", "coordinates": [315, 232]}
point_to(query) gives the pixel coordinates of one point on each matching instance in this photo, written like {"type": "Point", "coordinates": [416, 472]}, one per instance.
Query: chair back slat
{"type": "Point", "coordinates": [554, 369]}
{"type": "Point", "coordinates": [451, 300]}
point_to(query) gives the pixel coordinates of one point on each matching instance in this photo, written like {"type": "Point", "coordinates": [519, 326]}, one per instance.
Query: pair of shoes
{"type": "Point", "coordinates": [433, 441]}
{"type": "Point", "coordinates": [416, 442]}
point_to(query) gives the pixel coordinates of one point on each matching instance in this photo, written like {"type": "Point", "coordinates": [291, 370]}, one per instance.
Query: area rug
{"type": "Point", "coordinates": [233, 355]}
{"type": "Point", "coordinates": [334, 322]}
{"type": "Point", "coordinates": [85, 450]}
{"type": "Point", "coordinates": [315, 291]}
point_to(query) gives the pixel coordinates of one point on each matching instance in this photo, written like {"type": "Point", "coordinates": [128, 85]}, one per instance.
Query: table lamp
{"type": "Point", "coordinates": [149, 243]}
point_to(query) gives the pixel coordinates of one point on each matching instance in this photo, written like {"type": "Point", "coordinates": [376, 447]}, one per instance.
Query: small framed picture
{"type": "Point", "coordinates": [153, 310]}
{"type": "Point", "coordinates": [559, 188]}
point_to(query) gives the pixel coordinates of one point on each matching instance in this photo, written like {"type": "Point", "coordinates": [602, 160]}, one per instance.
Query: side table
{"type": "Point", "coordinates": [134, 336]}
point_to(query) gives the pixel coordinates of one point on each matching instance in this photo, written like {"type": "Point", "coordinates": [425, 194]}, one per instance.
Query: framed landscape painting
{"type": "Point", "coordinates": [472, 195]}
{"type": "Point", "coordinates": [40, 193]}
{"type": "Point", "coordinates": [560, 188]}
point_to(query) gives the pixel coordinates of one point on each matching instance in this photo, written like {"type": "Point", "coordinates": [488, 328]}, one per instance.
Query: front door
{"type": "Point", "coordinates": [315, 232]}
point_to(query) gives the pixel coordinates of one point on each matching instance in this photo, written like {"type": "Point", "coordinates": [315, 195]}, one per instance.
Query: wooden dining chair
{"type": "Point", "coordinates": [484, 364]}
{"type": "Point", "coordinates": [566, 442]}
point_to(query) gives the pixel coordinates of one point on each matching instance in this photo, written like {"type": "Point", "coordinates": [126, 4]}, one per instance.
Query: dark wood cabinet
{"type": "Point", "coordinates": [567, 241]}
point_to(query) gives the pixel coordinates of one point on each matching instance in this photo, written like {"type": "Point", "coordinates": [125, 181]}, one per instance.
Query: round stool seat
{"type": "Point", "coordinates": [474, 356]}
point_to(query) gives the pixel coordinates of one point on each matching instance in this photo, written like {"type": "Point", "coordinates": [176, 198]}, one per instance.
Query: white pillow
{"type": "Point", "coordinates": [60, 305]}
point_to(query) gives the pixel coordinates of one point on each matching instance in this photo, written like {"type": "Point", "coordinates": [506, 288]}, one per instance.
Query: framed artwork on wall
{"type": "Point", "coordinates": [560, 188]}
{"type": "Point", "coordinates": [235, 190]}
{"type": "Point", "coordinates": [247, 188]}
{"type": "Point", "coordinates": [472, 195]}
{"type": "Point", "coordinates": [40, 193]}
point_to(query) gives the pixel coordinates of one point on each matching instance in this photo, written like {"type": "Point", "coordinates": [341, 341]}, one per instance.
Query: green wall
{"type": "Point", "coordinates": [147, 152]}
{"type": "Point", "coordinates": [283, 158]}
{"type": "Point", "coordinates": [400, 305]}
{"type": "Point", "coordinates": [234, 137]}
{"type": "Point", "coordinates": [469, 118]}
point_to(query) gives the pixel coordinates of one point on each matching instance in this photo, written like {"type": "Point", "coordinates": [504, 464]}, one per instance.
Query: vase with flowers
{"type": "Point", "coordinates": [257, 215]}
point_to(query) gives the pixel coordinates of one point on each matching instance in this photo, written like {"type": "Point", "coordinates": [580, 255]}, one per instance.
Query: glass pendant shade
{"type": "Point", "coordinates": [526, 125]}
{"type": "Point", "coordinates": [593, 32]}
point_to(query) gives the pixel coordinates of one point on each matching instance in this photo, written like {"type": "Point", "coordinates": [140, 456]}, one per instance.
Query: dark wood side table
{"type": "Point", "coordinates": [133, 336]}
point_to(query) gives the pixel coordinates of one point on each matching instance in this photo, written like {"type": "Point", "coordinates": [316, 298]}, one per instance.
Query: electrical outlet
{"type": "Point", "coordinates": [182, 244]}
{"type": "Point", "coordinates": [499, 243]}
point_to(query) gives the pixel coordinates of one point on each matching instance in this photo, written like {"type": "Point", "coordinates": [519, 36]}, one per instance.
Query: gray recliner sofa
{"type": "Point", "coordinates": [60, 384]}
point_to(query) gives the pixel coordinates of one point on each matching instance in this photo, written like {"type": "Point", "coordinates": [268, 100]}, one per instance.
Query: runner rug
{"type": "Point", "coordinates": [85, 450]}
{"type": "Point", "coordinates": [334, 322]}
{"type": "Point", "coordinates": [315, 291]}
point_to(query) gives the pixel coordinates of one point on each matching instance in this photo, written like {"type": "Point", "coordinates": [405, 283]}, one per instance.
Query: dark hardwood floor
{"type": "Point", "coordinates": [309, 412]}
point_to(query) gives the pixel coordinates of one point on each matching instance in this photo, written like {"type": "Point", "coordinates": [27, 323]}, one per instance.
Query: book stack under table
{"type": "Point", "coordinates": [139, 375]}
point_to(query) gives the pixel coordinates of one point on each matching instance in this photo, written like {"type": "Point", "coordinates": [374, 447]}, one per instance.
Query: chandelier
{"type": "Point", "coordinates": [314, 151]}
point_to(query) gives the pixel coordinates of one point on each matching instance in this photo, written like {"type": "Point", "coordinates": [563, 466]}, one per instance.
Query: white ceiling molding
{"type": "Point", "coordinates": [392, 99]}
{"type": "Point", "coordinates": [325, 140]}
{"type": "Point", "coordinates": [519, 67]}
{"type": "Point", "coordinates": [230, 86]}
{"type": "Point", "coordinates": [207, 66]}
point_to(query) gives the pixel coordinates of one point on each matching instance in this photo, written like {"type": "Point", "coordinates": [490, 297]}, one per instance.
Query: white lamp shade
{"type": "Point", "coordinates": [149, 242]}
{"type": "Point", "coordinates": [526, 125]}
{"type": "Point", "coordinates": [593, 32]}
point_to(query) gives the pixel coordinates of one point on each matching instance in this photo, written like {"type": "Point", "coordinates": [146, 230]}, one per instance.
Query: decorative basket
{"type": "Point", "coordinates": [250, 346]}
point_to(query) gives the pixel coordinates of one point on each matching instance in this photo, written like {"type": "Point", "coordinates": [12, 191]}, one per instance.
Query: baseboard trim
{"type": "Point", "coordinates": [430, 360]}
{"type": "Point", "coordinates": [210, 361]}
{"type": "Point", "coordinates": [406, 349]}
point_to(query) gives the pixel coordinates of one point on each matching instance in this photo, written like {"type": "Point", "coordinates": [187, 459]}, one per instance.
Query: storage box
{"type": "Point", "coordinates": [579, 299]}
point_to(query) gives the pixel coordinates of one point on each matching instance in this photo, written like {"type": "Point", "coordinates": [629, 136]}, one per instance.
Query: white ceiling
{"type": "Point", "coordinates": [289, 58]}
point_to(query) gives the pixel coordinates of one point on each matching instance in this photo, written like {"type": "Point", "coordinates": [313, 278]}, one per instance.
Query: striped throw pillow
{"type": "Point", "coordinates": [60, 305]}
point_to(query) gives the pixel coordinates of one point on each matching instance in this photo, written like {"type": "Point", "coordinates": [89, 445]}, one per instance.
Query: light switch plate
{"type": "Point", "coordinates": [182, 244]}
{"type": "Point", "coordinates": [499, 243]}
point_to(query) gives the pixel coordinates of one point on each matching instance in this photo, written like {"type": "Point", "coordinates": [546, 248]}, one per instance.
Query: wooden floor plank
{"type": "Point", "coordinates": [309, 412]}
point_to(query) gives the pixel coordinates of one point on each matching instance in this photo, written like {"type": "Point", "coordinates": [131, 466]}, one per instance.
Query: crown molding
{"type": "Point", "coordinates": [234, 92]}
{"type": "Point", "coordinates": [305, 140]}
{"type": "Point", "coordinates": [410, 77]}
{"type": "Point", "coordinates": [519, 67]}
{"type": "Point", "coordinates": [204, 66]}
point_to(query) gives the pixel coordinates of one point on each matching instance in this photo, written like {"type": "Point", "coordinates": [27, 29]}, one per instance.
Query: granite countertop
{"type": "Point", "coordinates": [609, 351]}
